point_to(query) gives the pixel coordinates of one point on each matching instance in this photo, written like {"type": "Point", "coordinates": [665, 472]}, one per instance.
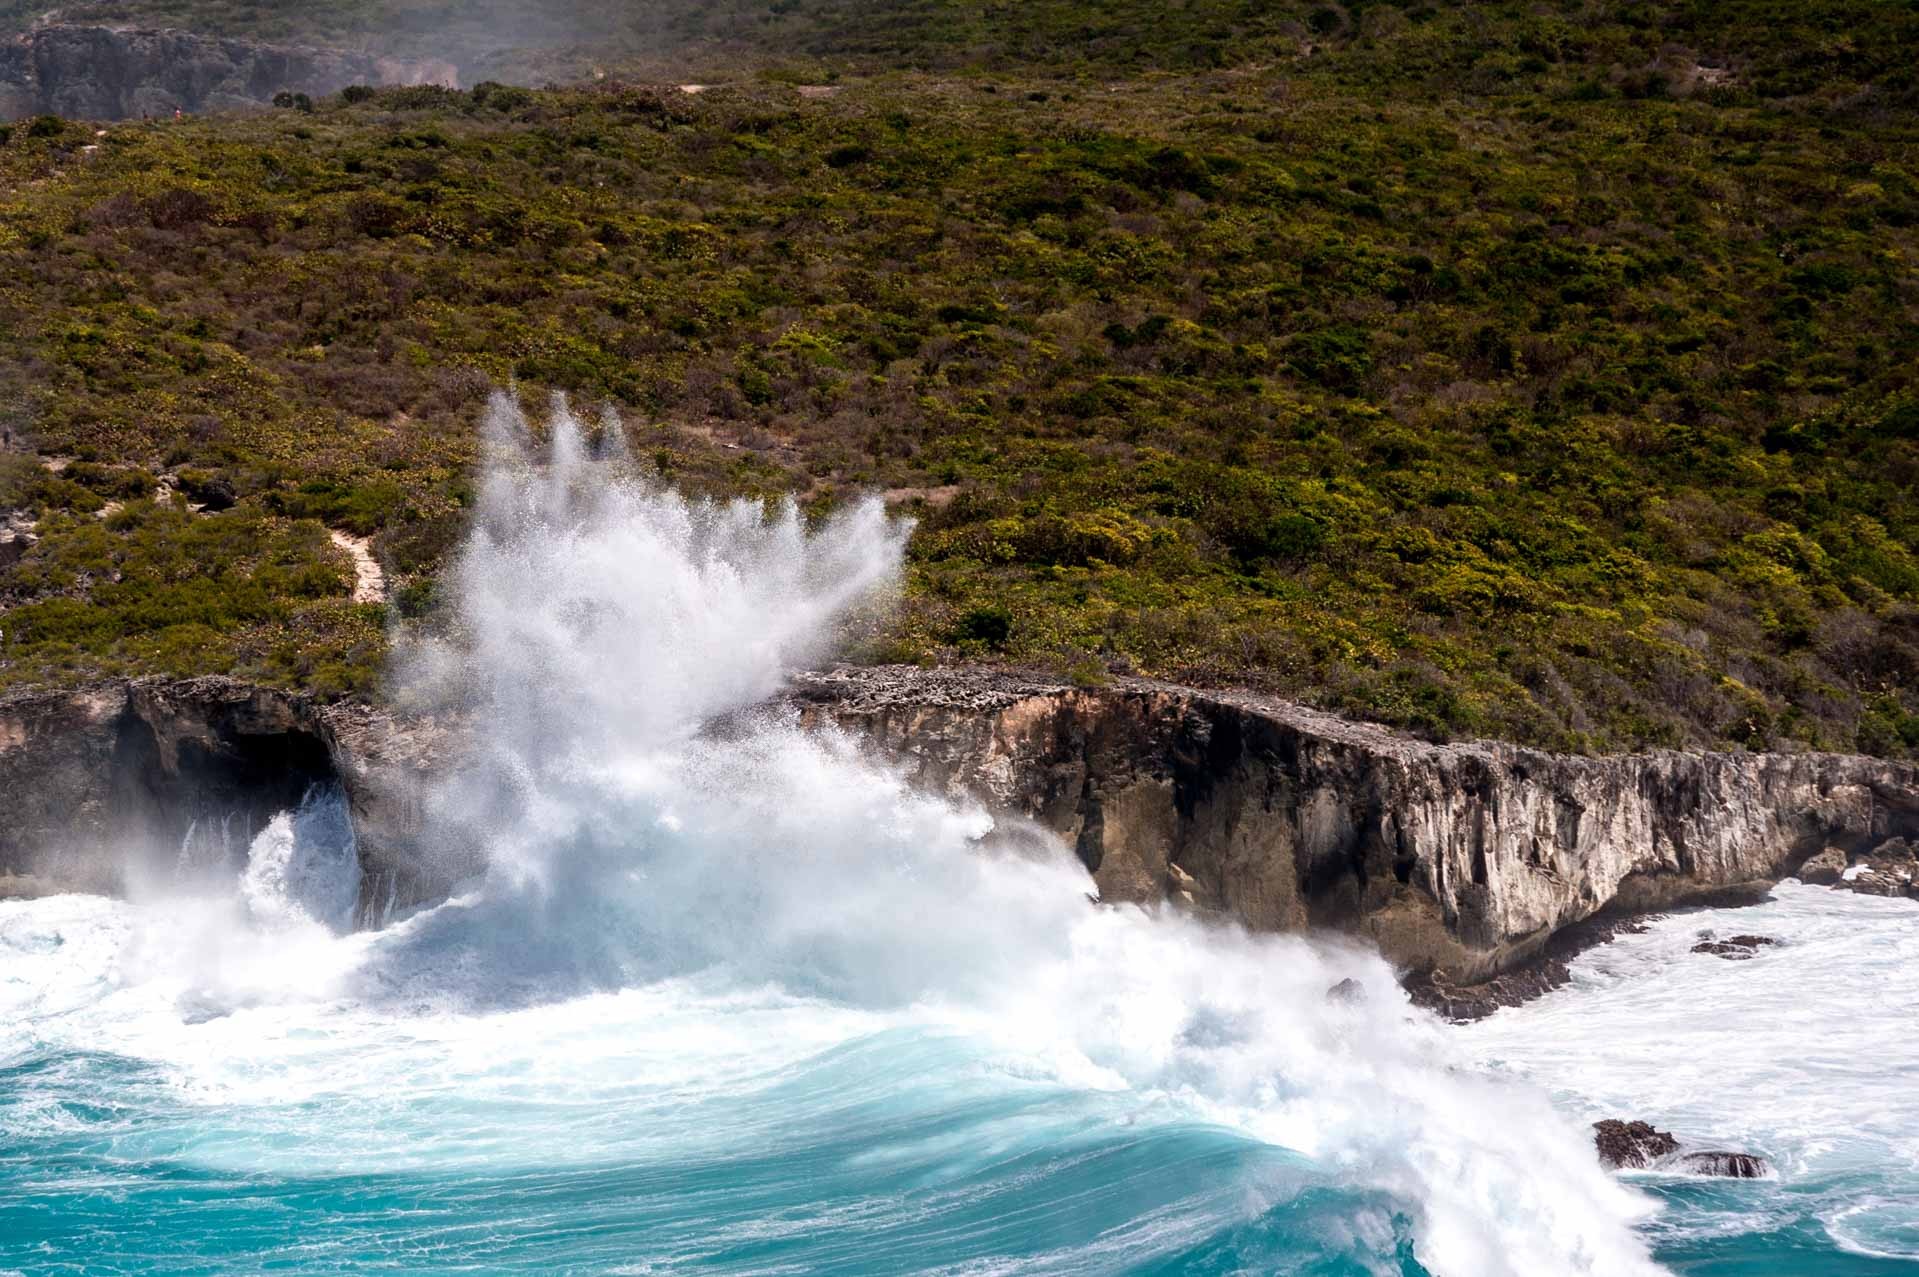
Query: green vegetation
{"type": "Point", "coordinates": [1541, 372]}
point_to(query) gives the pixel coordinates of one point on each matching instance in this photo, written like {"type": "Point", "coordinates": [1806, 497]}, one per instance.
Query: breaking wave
{"type": "Point", "coordinates": [728, 995]}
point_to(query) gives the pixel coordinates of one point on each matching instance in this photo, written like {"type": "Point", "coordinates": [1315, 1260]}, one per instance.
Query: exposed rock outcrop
{"type": "Point", "coordinates": [1631, 1146]}
{"type": "Point", "coordinates": [1638, 1146]}
{"type": "Point", "coordinates": [16, 538]}
{"type": "Point", "coordinates": [1460, 861]}
{"type": "Point", "coordinates": [1824, 869]}
{"type": "Point", "coordinates": [106, 73]}
{"type": "Point", "coordinates": [1464, 859]}
{"type": "Point", "coordinates": [102, 788]}
{"type": "Point", "coordinates": [1890, 869]}
{"type": "Point", "coordinates": [1734, 948]}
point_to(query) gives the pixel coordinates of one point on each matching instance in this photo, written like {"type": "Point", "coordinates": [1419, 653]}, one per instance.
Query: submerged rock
{"type": "Point", "coordinates": [1347, 990]}
{"type": "Point", "coordinates": [1734, 947]}
{"type": "Point", "coordinates": [1631, 1145]}
{"type": "Point", "coordinates": [1723, 1164]}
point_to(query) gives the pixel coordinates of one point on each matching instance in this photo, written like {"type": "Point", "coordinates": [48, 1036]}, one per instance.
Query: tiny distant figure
{"type": "Point", "coordinates": [178, 114]}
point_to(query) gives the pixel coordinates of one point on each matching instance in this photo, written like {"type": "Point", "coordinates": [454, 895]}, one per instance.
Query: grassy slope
{"type": "Point", "coordinates": [1453, 376]}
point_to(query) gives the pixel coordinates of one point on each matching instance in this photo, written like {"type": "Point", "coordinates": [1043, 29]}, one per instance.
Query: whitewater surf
{"type": "Point", "coordinates": [728, 996]}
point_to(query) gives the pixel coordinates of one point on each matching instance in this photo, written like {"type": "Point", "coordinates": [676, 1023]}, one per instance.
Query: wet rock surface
{"type": "Point", "coordinates": [1638, 1146]}
{"type": "Point", "coordinates": [1462, 862]}
{"type": "Point", "coordinates": [1724, 1165]}
{"type": "Point", "coordinates": [1733, 947]}
{"type": "Point", "coordinates": [1631, 1145]}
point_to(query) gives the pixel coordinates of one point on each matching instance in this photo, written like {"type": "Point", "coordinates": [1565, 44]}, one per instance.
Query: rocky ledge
{"type": "Point", "coordinates": [1889, 869]}
{"type": "Point", "coordinates": [1462, 862]}
{"type": "Point", "coordinates": [110, 73]}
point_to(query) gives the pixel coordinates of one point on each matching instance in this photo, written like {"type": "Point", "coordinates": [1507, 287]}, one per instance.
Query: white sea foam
{"type": "Point", "coordinates": [691, 905]}
{"type": "Point", "coordinates": [1805, 1053]}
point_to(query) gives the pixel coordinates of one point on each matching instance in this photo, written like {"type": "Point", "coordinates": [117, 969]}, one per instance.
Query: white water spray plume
{"type": "Point", "coordinates": [742, 932]}
{"type": "Point", "coordinates": [607, 619]}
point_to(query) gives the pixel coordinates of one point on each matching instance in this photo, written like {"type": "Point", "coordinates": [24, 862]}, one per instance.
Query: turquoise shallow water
{"type": "Point", "coordinates": [1075, 1198]}
{"type": "Point", "coordinates": [682, 1128]}
{"type": "Point", "coordinates": [665, 1130]}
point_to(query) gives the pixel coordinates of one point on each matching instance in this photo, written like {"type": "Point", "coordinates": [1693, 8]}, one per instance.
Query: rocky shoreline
{"type": "Point", "coordinates": [1460, 862]}
{"type": "Point", "coordinates": [1479, 869]}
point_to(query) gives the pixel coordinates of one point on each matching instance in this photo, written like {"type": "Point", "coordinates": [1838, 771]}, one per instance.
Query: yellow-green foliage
{"type": "Point", "coordinates": [1476, 387]}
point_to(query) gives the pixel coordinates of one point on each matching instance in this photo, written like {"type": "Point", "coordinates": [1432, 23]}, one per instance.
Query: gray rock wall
{"type": "Point", "coordinates": [1462, 859]}
{"type": "Point", "coordinates": [101, 787]}
{"type": "Point", "coordinates": [1459, 858]}
{"type": "Point", "coordinates": [105, 73]}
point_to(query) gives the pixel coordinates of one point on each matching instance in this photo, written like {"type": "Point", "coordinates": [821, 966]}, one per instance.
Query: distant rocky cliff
{"type": "Point", "coordinates": [104, 73]}
{"type": "Point", "coordinates": [1463, 859]}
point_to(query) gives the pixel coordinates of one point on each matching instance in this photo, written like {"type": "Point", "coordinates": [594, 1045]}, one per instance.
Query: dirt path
{"type": "Point", "coordinates": [369, 581]}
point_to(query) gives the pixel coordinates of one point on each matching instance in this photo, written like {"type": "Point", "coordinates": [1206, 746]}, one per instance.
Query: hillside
{"type": "Point", "coordinates": [1521, 371]}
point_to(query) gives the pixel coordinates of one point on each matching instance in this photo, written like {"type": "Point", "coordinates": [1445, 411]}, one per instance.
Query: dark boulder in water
{"type": "Point", "coordinates": [1631, 1145]}
{"type": "Point", "coordinates": [1347, 990]}
{"type": "Point", "coordinates": [1724, 1164]}
{"type": "Point", "coordinates": [1638, 1146]}
{"type": "Point", "coordinates": [1735, 948]}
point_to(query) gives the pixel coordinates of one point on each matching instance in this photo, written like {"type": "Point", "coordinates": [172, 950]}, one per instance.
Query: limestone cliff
{"type": "Point", "coordinates": [107, 73]}
{"type": "Point", "coordinates": [102, 786]}
{"type": "Point", "coordinates": [1462, 858]}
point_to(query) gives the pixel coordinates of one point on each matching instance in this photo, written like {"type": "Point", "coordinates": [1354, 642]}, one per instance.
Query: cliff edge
{"type": "Point", "coordinates": [1463, 860]}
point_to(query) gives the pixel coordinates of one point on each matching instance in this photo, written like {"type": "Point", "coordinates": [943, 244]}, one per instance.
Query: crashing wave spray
{"type": "Point", "coordinates": [643, 821]}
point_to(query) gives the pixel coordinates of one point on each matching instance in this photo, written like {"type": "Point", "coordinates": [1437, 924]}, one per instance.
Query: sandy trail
{"type": "Point", "coordinates": [369, 581]}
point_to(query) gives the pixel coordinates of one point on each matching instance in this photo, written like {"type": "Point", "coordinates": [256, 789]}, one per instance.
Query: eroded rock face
{"type": "Point", "coordinates": [1459, 861]}
{"type": "Point", "coordinates": [106, 73]}
{"type": "Point", "coordinates": [101, 786]}
{"type": "Point", "coordinates": [103, 789]}
{"type": "Point", "coordinates": [1463, 859]}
